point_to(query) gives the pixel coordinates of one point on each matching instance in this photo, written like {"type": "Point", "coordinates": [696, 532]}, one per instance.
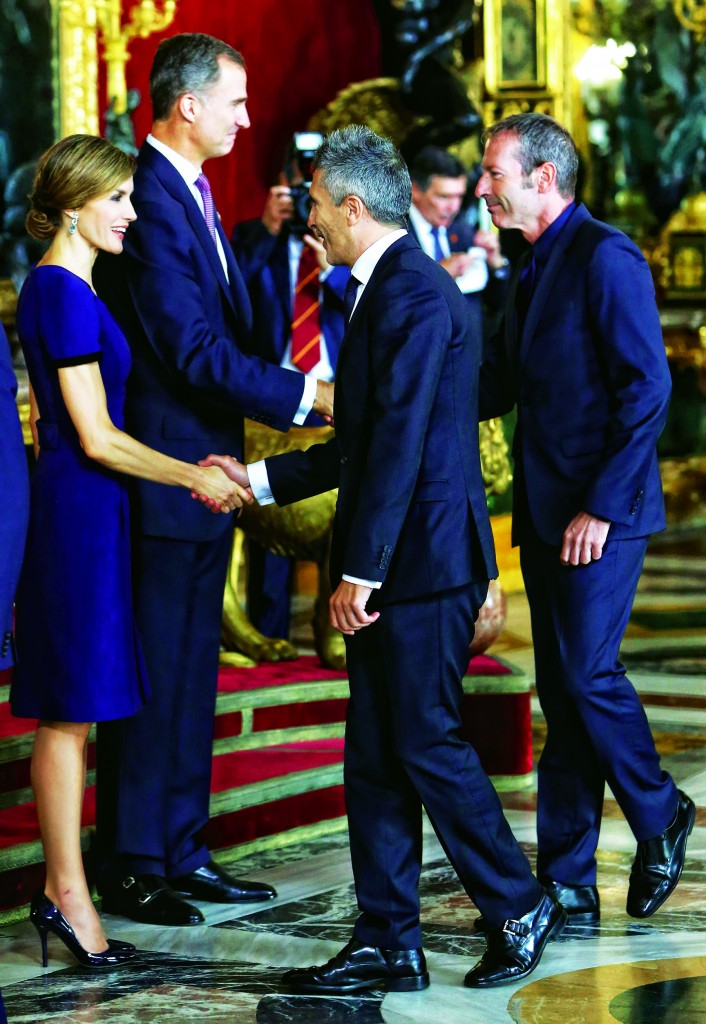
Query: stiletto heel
{"type": "Point", "coordinates": [42, 932]}
{"type": "Point", "coordinates": [46, 917]}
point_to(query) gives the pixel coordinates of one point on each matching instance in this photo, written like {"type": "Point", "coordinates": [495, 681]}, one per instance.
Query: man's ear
{"type": "Point", "coordinates": [355, 208]}
{"type": "Point", "coordinates": [545, 177]}
{"type": "Point", "coordinates": [189, 106]}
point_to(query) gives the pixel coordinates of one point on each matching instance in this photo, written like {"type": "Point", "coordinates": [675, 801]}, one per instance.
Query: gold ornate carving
{"type": "Point", "coordinates": [80, 24]}
{"type": "Point", "coordinates": [692, 15]}
{"type": "Point", "coordinates": [376, 102]}
{"type": "Point", "coordinates": [494, 457]}
{"type": "Point", "coordinates": [145, 19]}
{"type": "Point", "coordinates": [302, 531]}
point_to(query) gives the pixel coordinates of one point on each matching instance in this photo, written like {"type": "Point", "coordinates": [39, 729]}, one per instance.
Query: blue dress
{"type": "Point", "coordinates": [79, 659]}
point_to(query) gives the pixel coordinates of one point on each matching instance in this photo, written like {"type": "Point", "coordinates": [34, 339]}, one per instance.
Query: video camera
{"type": "Point", "coordinates": [299, 173]}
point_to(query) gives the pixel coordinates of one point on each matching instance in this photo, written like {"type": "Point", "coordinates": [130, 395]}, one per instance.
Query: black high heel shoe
{"type": "Point", "coordinates": [46, 917]}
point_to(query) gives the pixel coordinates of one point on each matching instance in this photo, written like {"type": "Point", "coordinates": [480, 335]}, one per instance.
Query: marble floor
{"type": "Point", "coordinates": [228, 971]}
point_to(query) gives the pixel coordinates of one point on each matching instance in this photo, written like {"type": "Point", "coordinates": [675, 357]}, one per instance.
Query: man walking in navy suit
{"type": "Point", "coordinates": [581, 355]}
{"type": "Point", "coordinates": [297, 300]}
{"type": "Point", "coordinates": [178, 294]}
{"type": "Point", "coordinates": [411, 555]}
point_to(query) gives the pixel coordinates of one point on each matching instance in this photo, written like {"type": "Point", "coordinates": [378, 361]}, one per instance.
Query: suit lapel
{"type": "Point", "coordinates": [512, 339]}
{"type": "Point", "coordinates": [235, 293]}
{"type": "Point", "coordinates": [235, 288]}
{"type": "Point", "coordinates": [545, 284]}
{"type": "Point", "coordinates": [405, 242]}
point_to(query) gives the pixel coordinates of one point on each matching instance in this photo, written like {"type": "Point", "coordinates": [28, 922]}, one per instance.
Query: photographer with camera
{"type": "Point", "coordinates": [297, 301]}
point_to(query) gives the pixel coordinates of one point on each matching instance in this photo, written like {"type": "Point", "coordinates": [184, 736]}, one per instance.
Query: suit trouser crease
{"type": "Point", "coordinates": [164, 753]}
{"type": "Point", "coordinates": [597, 730]}
{"type": "Point", "coordinates": [404, 750]}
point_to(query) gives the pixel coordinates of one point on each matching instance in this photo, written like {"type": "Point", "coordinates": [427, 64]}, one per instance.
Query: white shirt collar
{"type": "Point", "coordinates": [364, 266]}
{"type": "Point", "coordinates": [184, 167]}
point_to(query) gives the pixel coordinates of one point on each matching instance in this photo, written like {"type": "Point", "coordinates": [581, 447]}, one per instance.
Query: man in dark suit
{"type": "Point", "coordinates": [297, 300]}
{"type": "Point", "coordinates": [582, 357]}
{"type": "Point", "coordinates": [15, 486]}
{"type": "Point", "coordinates": [472, 256]}
{"type": "Point", "coordinates": [180, 298]}
{"type": "Point", "coordinates": [411, 555]}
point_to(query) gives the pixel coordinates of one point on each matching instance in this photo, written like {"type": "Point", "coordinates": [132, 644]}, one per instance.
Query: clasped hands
{"type": "Point", "coordinates": [347, 604]}
{"type": "Point", "coordinates": [223, 491]}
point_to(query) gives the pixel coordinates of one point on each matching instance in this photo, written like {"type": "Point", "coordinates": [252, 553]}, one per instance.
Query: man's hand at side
{"type": "Point", "coordinates": [347, 608]}
{"type": "Point", "coordinates": [584, 539]}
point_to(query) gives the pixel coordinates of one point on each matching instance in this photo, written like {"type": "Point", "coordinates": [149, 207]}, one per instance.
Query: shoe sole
{"type": "Point", "coordinates": [416, 984]}
{"type": "Point", "coordinates": [668, 893]}
{"type": "Point", "coordinates": [212, 899]}
{"type": "Point", "coordinates": [553, 933]}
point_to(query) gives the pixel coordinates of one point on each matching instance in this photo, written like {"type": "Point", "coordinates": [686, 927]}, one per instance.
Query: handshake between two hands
{"type": "Point", "coordinates": [347, 606]}
{"type": "Point", "coordinates": [226, 484]}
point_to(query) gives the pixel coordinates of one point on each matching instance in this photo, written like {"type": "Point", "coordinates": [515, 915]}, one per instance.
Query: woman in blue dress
{"type": "Point", "coordinates": [78, 657]}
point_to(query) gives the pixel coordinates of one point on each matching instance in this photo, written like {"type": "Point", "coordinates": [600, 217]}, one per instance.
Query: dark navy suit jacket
{"type": "Point", "coordinates": [589, 376]}
{"type": "Point", "coordinates": [264, 263]}
{"type": "Point", "coordinates": [405, 456]}
{"type": "Point", "coordinates": [192, 381]}
{"type": "Point", "coordinates": [14, 486]}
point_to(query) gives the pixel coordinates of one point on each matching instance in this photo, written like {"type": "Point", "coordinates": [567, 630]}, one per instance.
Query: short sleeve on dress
{"type": "Point", "coordinates": [69, 319]}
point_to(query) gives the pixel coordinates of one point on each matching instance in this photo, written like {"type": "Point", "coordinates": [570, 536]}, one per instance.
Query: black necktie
{"type": "Point", "coordinates": [349, 297]}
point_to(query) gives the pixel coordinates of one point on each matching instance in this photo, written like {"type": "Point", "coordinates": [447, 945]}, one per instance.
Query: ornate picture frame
{"type": "Point", "coordinates": [516, 45]}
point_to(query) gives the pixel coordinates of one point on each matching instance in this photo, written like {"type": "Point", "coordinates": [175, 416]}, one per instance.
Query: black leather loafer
{"type": "Point", "coordinates": [515, 949]}
{"type": "Point", "coordinates": [214, 885]}
{"type": "Point", "coordinates": [150, 899]}
{"type": "Point", "coordinates": [659, 862]}
{"type": "Point", "coordinates": [581, 903]}
{"type": "Point", "coordinates": [359, 967]}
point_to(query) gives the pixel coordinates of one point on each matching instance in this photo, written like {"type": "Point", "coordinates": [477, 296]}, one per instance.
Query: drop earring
{"type": "Point", "coordinates": [74, 222]}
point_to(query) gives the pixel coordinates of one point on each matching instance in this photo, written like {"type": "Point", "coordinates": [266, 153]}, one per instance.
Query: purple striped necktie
{"type": "Point", "coordinates": [209, 210]}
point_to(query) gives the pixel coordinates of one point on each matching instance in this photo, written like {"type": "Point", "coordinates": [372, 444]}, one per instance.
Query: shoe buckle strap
{"type": "Point", "coordinates": [512, 927]}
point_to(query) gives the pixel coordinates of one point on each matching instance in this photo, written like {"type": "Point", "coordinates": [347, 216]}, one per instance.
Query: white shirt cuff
{"type": "Point", "coordinates": [373, 584]}
{"type": "Point", "coordinates": [260, 483]}
{"type": "Point", "coordinates": [307, 402]}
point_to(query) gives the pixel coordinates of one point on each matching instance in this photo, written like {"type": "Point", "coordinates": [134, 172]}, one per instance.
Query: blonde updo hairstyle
{"type": "Point", "coordinates": [70, 174]}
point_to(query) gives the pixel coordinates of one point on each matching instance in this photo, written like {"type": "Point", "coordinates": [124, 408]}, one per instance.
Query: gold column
{"type": "Point", "coordinates": [77, 65]}
{"type": "Point", "coordinates": [79, 25]}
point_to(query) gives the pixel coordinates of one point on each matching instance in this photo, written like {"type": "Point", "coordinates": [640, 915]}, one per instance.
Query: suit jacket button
{"type": "Point", "coordinates": [344, 460]}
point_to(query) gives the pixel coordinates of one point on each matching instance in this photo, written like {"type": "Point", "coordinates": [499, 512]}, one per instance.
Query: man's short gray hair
{"type": "Point", "coordinates": [186, 63]}
{"type": "Point", "coordinates": [541, 140]}
{"type": "Point", "coordinates": [356, 161]}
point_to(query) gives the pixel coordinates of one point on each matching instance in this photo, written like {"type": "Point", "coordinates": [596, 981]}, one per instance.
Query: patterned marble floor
{"type": "Point", "coordinates": [228, 971]}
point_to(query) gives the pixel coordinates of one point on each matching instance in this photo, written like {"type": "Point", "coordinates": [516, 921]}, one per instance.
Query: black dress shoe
{"type": "Point", "coordinates": [150, 899]}
{"type": "Point", "coordinates": [658, 864]}
{"type": "Point", "coordinates": [581, 903]}
{"type": "Point", "coordinates": [213, 884]}
{"type": "Point", "coordinates": [515, 949]}
{"type": "Point", "coordinates": [359, 967]}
